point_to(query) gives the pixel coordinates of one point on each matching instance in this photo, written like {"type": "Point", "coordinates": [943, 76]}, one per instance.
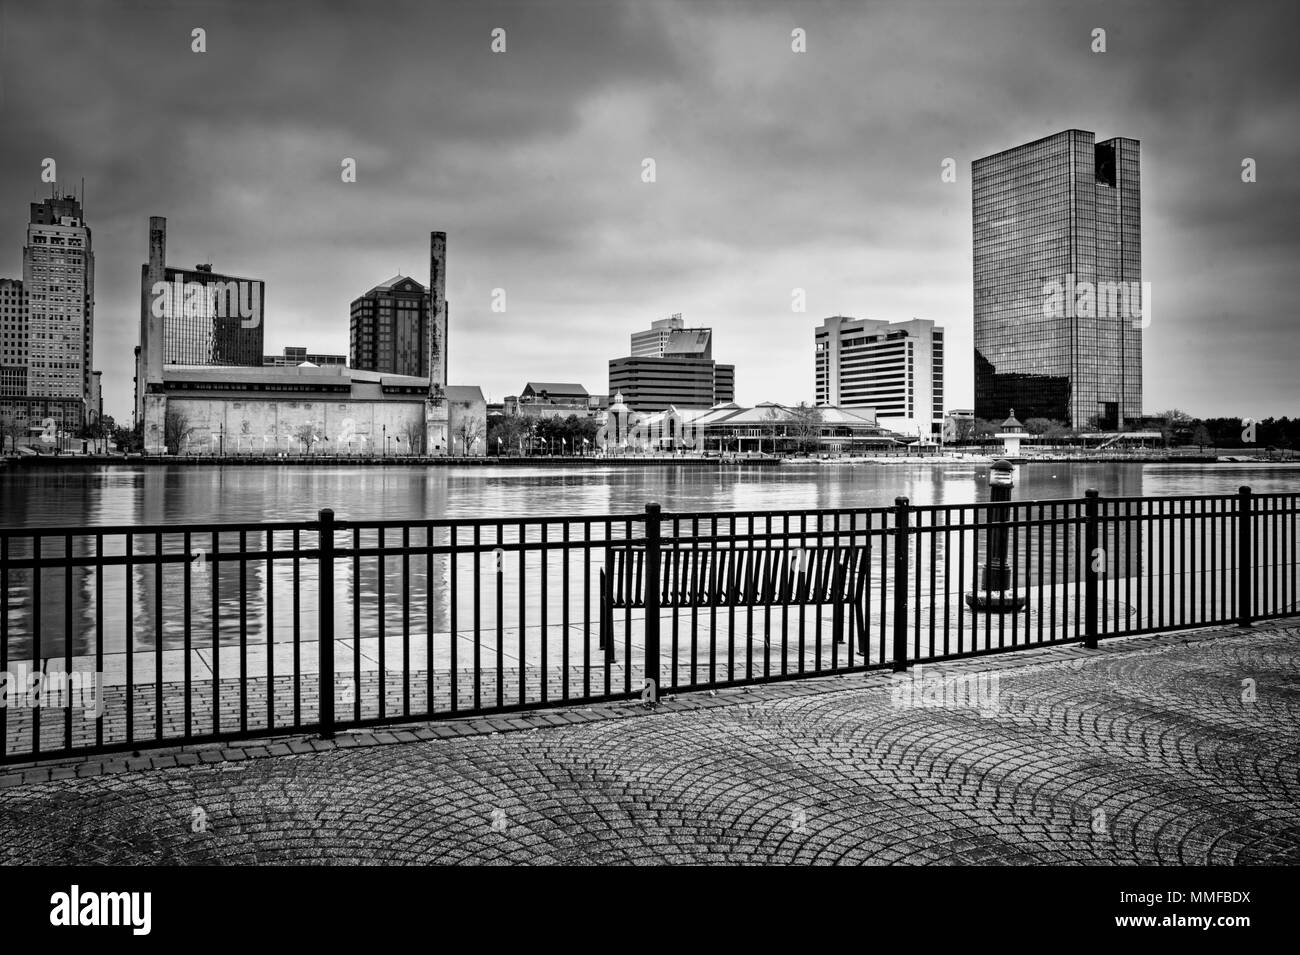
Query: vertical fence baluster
{"type": "Point", "coordinates": [544, 671]}
{"type": "Point", "coordinates": [297, 628]}
{"type": "Point", "coordinates": [522, 615]}
{"type": "Point", "coordinates": [243, 631]}
{"type": "Point", "coordinates": [99, 639]}
{"type": "Point", "coordinates": [270, 630]}
{"type": "Point", "coordinates": [478, 661]}
{"type": "Point", "coordinates": [406, 620]}
{"type": "Point", "coordinates": [1245, 565]}
{"type": "Point", "coordinates": [325, 621]}
{"type": "Point", "coordinates": [1090, 570]}
{"type": "Point", "coordinates": [900, 583]}
{"type": "Point", "coordinates": [381, 613]}
{"type": "Point", "coordinates": [67, 645]}
{"type": "Point", "coordinates": [652, 582]}
{"type": "Point", "coordinates": [430, 620]}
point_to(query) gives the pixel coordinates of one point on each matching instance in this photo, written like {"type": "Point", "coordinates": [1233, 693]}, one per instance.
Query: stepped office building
{"type": "Point", "coordinates": [894, 368]}
{"type": "Point", "coordinates": [671, 365]}
{"type": "Point", "coordinates": [1059, 304]}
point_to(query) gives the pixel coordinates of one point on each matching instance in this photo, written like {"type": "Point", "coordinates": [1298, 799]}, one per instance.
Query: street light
{"type": "Point", "coordinates": [385, 440]}
{"type": "Point", "coordinates": [996, 575]}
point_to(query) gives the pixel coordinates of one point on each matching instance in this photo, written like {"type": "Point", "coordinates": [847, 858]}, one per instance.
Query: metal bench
{"type": "Point", "coordinates": [740, 576]}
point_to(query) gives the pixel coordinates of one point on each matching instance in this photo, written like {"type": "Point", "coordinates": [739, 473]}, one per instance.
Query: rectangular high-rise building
{"type": "Point", "coordinates": [391, 330]}
{"type": "Point", "coordinates": [1059, 300]}
{"type": "Point", "coordinates": [669, 337]}
{"type": "Point", "coordinates": [652, 384]}
{"type": "Point", "coordinates": [49, 323]}
{"type": "Point", "coordinates": [895, 368]}
{"type": "Point", "coordinates": [193, 317]}
{"type": "Point", "coordinates": [13, 342]}
{"type": "Point", "coordinates": [673, 365]}
{"type": "Point", "coordinates": [211, 319]}
{"type": "Point", "coordinates": [650, 343]}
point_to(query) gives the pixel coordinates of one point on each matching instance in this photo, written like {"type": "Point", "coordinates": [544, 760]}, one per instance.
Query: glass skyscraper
{"type": "Point", "coordinates": [1059, 306]}
{"type": "Point", "coordinates": [209, 328]}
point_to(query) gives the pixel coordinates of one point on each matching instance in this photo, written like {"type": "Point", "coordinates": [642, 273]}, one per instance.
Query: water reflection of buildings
{"type": "Point", "coordinates": [173, 496]}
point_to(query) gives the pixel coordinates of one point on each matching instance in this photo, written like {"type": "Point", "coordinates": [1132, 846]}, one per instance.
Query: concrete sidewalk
{"type": "Point", "coordinates": [1166, 749]}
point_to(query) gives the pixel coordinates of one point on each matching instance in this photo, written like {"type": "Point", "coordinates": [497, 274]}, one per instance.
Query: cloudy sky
{"type": "Point", "coordinates": [775, 170]}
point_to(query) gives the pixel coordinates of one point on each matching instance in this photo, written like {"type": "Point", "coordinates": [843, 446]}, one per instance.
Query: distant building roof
{"type": "Point", "coordinates": [463, 393]}
{"type": "Point", "coordinates": [564, 389]}
{"type": "Point", "coordinates": [689, 343]}
{"type": "Point", "coordinates": [397, 280]}
{"type": "Point", "coordinates": [236, 381]}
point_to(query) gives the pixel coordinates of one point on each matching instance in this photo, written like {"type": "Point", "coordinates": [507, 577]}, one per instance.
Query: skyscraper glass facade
{"type": "Point", "coordinates": [1062, 215]}
{"type": "Point", "coordinates": [203, 320]}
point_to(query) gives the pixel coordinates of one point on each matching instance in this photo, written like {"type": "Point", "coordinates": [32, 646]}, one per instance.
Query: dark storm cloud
{"type": "Point", "coordinates": [774, 170]}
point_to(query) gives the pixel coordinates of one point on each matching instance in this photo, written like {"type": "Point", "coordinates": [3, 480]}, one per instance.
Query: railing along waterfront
{"type": "Point", "coordinates": [125, 637]}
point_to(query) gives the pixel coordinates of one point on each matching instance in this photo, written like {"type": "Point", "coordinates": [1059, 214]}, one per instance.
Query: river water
{"type": "Point", "coordinates": [167, 606]}
{"type": "Point", "coordinates": [150, 494]}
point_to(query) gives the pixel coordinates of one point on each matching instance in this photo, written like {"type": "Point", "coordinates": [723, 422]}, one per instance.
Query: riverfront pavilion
{"type": "Point", "coordinates": [768, 427]}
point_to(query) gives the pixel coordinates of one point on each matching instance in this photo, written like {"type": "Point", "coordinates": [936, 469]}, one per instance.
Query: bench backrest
{"type": "Point", "coordinates": [739, 576]}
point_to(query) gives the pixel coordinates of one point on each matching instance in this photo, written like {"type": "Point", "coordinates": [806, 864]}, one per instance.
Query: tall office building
{"type": "Point", "coordinates": [895, 368]}
{"type": "Point", "coordinates": [652, 384]}
{"type": "Point", "coordinates": [650, 343]}
{"type": "Point", "coordinates": [13, 344]}
{"type": "Point", "coordinates": [1059, 305]}
{"type": "Point", "coordinates": [193, 317]}
{"type": "Point", "coordinates": [212, 319]}
{"type": "Point", "coordinates": [671, 364]}
{"type": "Point", "coordinates": [670, 336]}
{"type": "Point", "coordinates": [390, 329]}
{"type": "Point", "coordinates": [48, 320]}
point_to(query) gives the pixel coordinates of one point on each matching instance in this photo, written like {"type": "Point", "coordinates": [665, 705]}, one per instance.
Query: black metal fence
{"type": "Point", "coordinates": [121, 638]}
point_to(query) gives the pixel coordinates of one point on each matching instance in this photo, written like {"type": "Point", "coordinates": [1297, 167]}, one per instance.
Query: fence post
{"type": "Point", "coordinates": [325, 615]}
{"type": "Point", "coordinates": [652, 574]}
{"type": "Point", "coordinates": [839, 584]}
{"type": "Point", "coordinates": [1245, 593]}
{"type": "Point", "coordinates": [900, 583]}
{"type": "Point", "coordinates": [1090, 569]}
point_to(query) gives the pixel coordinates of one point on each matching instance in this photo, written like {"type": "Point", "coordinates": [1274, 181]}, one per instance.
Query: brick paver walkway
{"type": "Point", "coordinates": [1172, 749]}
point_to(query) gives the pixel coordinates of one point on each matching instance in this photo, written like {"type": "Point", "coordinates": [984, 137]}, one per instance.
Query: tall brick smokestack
{"type": "Point", "coordinates": [438, 310]}
{"type": "Point", "coordinates": [151, 326]}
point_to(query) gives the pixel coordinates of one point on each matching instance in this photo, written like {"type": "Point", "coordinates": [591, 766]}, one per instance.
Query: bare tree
{"type": "Point", "coordinates": [306, 435]}
{"type": "Point", "coordinates": [806, 424]}
{"type": "Point", "coordinates": [13, 429]}
{"type": "Point", "coordinates": [413, 434]}
{"type": "Point", "coordinates": [469, 431]}
{"type": "Point", "coordinates": [772, 418]}
{"type": "Point", "coordinates": [176, 428]}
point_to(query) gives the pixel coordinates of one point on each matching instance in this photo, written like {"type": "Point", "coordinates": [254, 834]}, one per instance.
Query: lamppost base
{"type": "Point", "coordinates": [996, 602]}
